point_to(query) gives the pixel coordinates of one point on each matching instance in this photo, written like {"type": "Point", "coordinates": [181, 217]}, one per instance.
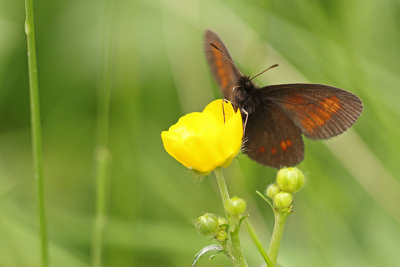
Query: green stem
{"type": "Point", "coordinates": [102, 153]}
{"type": "Point", "coordinates": [35, 126]}
{"type": "Point", "coordinates": [236, 250]}
{"type": "Point", "coordinates": [222, 187]}
{"type": "Point", "coordinates": [257, 242]}
{"type": "Point", "coordinates": [234, 246]}
{"type": "Point", "coordinates": [280, 219]}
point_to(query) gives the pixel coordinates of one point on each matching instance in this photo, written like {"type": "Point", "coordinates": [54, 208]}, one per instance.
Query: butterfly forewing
{"type": "Point", "coordinates": [221, 67]}
{"type": "Point", "coordinates": [272, 139]}
{"type": "Point", "coordinates": [320, 111]}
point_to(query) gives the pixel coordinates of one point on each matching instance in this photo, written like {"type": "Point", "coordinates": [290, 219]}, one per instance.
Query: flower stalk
{"type": "Point", "coordinates": [234, 246]}
{"type": "Point", "coordinates": [35, 127]}
{"type": "Point", "coordinates": [223, 189]}
{"type": "Point", "coordinates": [288, 181]}
{"type": "Point", "coordinates": [280, 219]}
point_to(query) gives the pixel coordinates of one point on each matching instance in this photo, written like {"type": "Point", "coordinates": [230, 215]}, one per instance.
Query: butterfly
{"type": "Point", "coordinates": [278, 115]}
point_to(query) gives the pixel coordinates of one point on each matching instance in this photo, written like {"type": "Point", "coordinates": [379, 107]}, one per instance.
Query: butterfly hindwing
{"type": "Point", "coordinates": [319, 111]}
{"type": "Point", "coordinates": [223, 70]}
{"type": "Point", "coordinates": [272, 139]}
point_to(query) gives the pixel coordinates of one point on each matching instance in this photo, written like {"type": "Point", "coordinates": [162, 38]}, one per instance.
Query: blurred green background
{"type": "Point", "coordinates": [347, 215]}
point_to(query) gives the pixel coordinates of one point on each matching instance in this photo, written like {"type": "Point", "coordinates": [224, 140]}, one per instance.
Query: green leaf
{"type": "Point", "coordinates": [216, 253]}
{"type": "Point", "coordinates": [242, 219]}
{"type": "Point", "coordinates": [225, 225]}
{"type": "Point", "coordinates": [265, 199]}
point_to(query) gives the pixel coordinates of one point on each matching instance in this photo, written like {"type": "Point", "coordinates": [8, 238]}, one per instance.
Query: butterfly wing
{"type": "Point", "coordinates": [224, 72]}
{"type": "Point", "coordinates": [319, 111]}
{"type": "Point", "coordinates": [271, 138]}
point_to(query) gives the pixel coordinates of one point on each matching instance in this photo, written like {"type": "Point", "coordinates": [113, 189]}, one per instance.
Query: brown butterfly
{"type": "Point", "coordinates": [279, 114]}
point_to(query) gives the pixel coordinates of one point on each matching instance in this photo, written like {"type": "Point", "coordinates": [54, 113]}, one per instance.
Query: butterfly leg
{"type": "Point", "coordinates": [226, 100]}
{"type": "Point", "coordinates": [223, 109]}
{"type": "Point", "coordinates": [245, 121]}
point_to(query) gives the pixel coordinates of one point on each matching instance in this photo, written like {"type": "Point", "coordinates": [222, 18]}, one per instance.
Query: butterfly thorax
{"type": "Point", "coordinates": [245, 95]}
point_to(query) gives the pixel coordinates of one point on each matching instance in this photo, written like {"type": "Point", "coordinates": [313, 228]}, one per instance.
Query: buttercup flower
{"type": "Point", "coordinates": [203, 141]}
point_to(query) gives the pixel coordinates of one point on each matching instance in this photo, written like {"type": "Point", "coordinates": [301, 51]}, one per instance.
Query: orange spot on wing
{"type": "Point", "coordinates": [283, 145]}
{"type": "Point", "coordinates": [331, 104]}
{"type": "Point", "coordinates": [222, 68]}
{"type": "Point", "coordinates": [273, 151]}
{"type": "Point", "coordinates": [288, 142]}
{"type": "Point", "coordinates": [262, 149]}
{"type": "Point", "coordinates": [313, 114]}
{"type": "Point", "coordinates": [295, 99]}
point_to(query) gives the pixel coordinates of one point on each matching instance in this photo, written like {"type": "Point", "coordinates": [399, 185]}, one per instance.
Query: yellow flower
{"type": "Point", "coordinates": [203, 141]}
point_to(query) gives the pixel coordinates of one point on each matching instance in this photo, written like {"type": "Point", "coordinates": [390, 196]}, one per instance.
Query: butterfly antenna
{"type": "Point", "coordinates": [273, 66]}
{"type": "Point", "coordinates": [228, 58]}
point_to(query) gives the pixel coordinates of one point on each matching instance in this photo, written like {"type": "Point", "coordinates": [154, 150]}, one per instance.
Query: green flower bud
{"type": "Point", "coordinates": [221, 236]}
{"type": "Point", "coordinates": [290, 179]}
{"type": "Point", "coordinates": [207, 224]}
{"type": "Point", "coordinates": [222, 221]}
{"type": "Point", "coordinates": [235, 206]}
{"type": "Point", "coordinates": [272, 190]}
{"type": "Point", "coordinates": [283, 200]}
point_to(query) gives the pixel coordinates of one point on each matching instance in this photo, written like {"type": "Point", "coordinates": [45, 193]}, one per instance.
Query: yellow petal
{"type": "Point", "coordinates": [220, 109]}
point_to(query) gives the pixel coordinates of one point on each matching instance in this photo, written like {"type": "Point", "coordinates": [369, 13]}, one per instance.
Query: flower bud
{"type": "Point", "coordinates": [222, 221]}
{"type": "Point", "coordinates": [207, 224]}
{"type": "Point", "coordinates": [290, 179]}
{"type": "Point", "coordinates": [235, 206]}
{"type": "Point", "coordinates": [283, 200]}
{"type": "Point", "coordinates": [272, 190]}
{"type": "Point", "coordinates": [221, 236]}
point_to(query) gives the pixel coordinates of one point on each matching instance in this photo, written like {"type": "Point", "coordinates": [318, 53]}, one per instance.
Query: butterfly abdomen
{"type": "Point", "coordinates": [246, 95]}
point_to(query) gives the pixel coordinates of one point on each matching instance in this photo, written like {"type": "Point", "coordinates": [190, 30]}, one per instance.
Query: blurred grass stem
{"type": "Point", "coordinates": [35, 127]}
{"type": "Point", "coordinates": [103, 161]}
{"type": "Point", "coordinates": [234, 247]}
{"type": "Point", "coordinates": [102, 153]}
